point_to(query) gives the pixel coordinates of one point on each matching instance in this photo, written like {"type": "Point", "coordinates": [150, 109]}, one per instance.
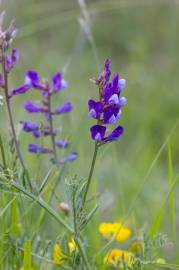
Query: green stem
{"type": "Point", "coordinates": [3, 153]}
{"type": "Point", "coordinates": [6, 90]}
{"type": "Point", "coordinates": [82, 252]}
{"type": "Point", "coordinates": [91, 172]}
{"type": "Point", "coordinates": [43, 205]}
{"type": "Point", "coordinates": [52, 130]}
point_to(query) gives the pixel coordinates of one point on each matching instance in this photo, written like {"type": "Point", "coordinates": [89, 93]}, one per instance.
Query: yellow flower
{"type": "Point", "coordinates": [58, 256]}
{"type": "Point", "coordinates": [117, 256]}
{"type": "Point", "coordinates": [72, 245]}
{"type": "Point", "coordinates": [115, 230]}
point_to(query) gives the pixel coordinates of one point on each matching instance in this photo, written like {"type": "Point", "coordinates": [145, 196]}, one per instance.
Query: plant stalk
{"type": "Point", "coordinates": [52, 129]}
{"type": "Point", "coordinates": [6, 88]}
{"type": "Point", "coordinates": [91, 172]}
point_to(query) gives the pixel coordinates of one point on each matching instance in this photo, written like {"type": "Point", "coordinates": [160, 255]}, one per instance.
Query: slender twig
{"type": "Point", "coordinates": [91, 172]}
{"type": "Point", "coordinates": [6, 88]}
{"type": "Point", "coordinates": [2, 153]}
{"type": "Point", "coordinates": [82, 253]}
{"type": "Point", "coordinates": [52, 134]}
{"type": "Point", "coordinates": [7, 98]}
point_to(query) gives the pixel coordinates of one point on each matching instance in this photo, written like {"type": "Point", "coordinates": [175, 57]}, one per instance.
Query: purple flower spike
{"type": "Point", "coordinates": [115, 134]}
{"type": "Point", "coordinates": [107, 110]}
{"type": "Point", "coordinates": [95, 108]}
{"type": "Point", "coordinates": [62, 144]}
{"type": "Point", "coordinates": [97, 132]}
{"type": "Point", "coordinates": [45, 106]}
{"type": "Point", "coordinates": [65, 108]}
{"type": "Point", "coordinates": [32, 108]}
{"type": "Point", "coordinates": [29, 126]}
{"type": "Point", "coordinates": [72, 156]}
{"type": "Point", "coordinates": [36, 149]}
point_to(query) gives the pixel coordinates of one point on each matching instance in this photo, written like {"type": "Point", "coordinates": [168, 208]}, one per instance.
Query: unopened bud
{"type": "Point", "coordinates": [64, 207]}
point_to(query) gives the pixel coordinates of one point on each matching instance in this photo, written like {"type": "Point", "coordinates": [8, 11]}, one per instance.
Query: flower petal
{"type": "Point", "coordinates": [97, 132]}
{"type": "Point", "coordinates": [111, 114]}
{"type": "Point", "coordinates": [36, 149]}
{"type": "Point", "coordinates": [62, 144]}
{"type": "Point", "coordinates": [58, 83]}
{"type": "Point", "coordinates": [32, 108]}
{"type": "Point", "coordinates": [20, 90]}
{"type": "Point", "coordinates": [15, 56]}
{"type": "Point", "coordinates": [32, 78]}
{"type": "Point", "coordinates": [115, 134]}
{"type": "Point", "coordinates": [122, 84]}
{"type": "Point", "coordinates": [29, 126]}
{"type": "Point", "coordinates": [72, 156]}
{"type": "Point", "coordinates": [65, 108]}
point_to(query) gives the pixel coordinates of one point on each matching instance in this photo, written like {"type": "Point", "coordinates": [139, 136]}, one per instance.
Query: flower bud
{"type": "Point", "coordinates": [64, 207]}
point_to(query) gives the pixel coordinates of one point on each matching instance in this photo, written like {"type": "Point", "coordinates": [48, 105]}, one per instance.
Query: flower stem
{"type": "Point", "coordinates": [6, 89]}
{"type": "Point", "coordinates": [82, 253]}
{"type": "Point", "coordinates": [52, 129]}
{"type": "Point", "coordinates": [91, 172]}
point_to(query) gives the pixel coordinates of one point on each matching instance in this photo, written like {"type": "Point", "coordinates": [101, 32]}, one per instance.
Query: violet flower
{"type": "Point", "coordinates": [34, 148]}
{"type": "Point", "coordinates": [107, 110]}
{"type": "Point", "coordinates": [44, 107]}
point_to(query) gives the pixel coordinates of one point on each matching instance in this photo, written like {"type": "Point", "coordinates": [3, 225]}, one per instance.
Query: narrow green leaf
{"type": "Point", "coordinates": [2, 152]}
{"type": "Point", "coordinates": [6, 207]}
{"type": "Point", "coordinates": [158, 218]}
{"type": "Point", "coordinates": [14, 226]}
{"type": "Point", "coordinates": [27, 255]}
{"type": "Point", "coordinates": [44, 182]}
{"type": "Point", "coordinates": [157, 222]}
{"type": "Point", "coordinates": [90, 215]}
{"type": "Point", "coordinates": [171, 196]}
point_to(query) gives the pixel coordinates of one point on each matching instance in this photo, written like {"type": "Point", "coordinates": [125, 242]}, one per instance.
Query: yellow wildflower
{"type": "Point", "coordinates": [58, 256]}
{"type": "Point", "coordinates": [72, 245]}
{"type": "Point", "coordinates": [117, 256]}
{"type": "Point", "coordinates": [115, 230]}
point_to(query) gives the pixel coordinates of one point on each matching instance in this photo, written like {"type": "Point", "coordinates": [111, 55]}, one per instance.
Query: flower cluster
{"type": "Point", "coordinates": [120, 233]}
{"type": "Point", "coordinates": [115, 230]}
{"type": "Point", "coordinates": [121, 258]}
{"type": "Point", "coordinates": [107, 110]}
{"type": "Point", "coordinates": [44, 107]}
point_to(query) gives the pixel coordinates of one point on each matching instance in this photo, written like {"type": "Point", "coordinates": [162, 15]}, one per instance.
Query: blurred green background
{"type": "Point", "coordinates": [142, 40]}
